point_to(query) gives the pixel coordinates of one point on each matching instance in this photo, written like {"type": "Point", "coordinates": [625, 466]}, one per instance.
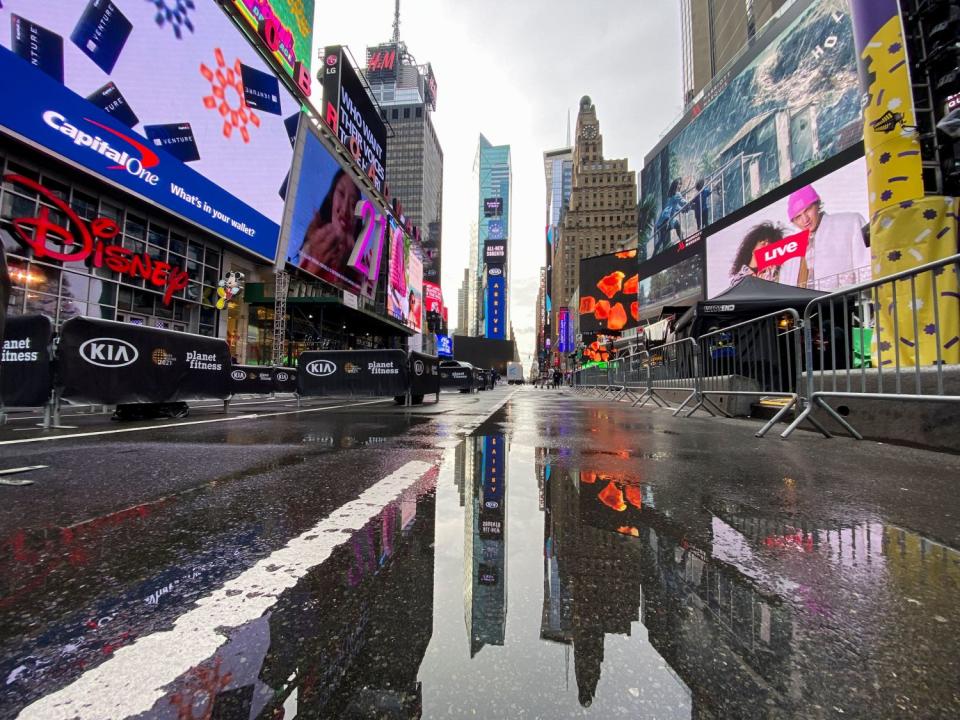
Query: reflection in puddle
{"type": "Point", "coordinates": [627, 598]}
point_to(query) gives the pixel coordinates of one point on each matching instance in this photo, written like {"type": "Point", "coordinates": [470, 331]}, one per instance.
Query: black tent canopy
{"type": "Point", "coordinates": [750, 298]}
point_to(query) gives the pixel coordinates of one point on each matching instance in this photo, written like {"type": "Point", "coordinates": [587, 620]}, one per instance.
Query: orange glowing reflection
{"type": "Point", "coordinates": [612, 497]}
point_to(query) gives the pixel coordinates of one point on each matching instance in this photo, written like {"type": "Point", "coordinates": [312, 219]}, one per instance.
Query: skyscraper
{"type": "Point", "coordinates": [714, 31]}
{"type": "Point", "coordinates": [489, 262]}
{"type": "Point", "coordinates": [558, 173]}
{"type": "Point", "coordinates": [407, 95]}
{"type": "Point", "coordinates": [601, 214]}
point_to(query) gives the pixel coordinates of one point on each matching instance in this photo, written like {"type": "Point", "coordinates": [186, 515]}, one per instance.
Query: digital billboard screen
{"type": "Point", "coordinates": [285, 27]}
{"type": "Point", "coordinates": [564, 331]}
{"type": "Point", "coordinates": [349, 112]}
{"type": "Point", "coordinates": [444, 346]}
{"type": "Point", "coordinates": [608, 293]}
{"type": "Point", "coordinates": [495, 230]}
{"type": "Point", "coordinates": [813, 237]}
{"type": "Point", "coordinates": [494, 325]}
{"type": "Point", "coordinates": [405, 279]}
{"type": "Point", "coordinates": [678, 285]}
{"type": "Point", "coordinates": [432, 298]}
{"type": "Point", "coordinates": [786, 109]}
{"type": "Point", "coordinates": [335, 232]}
{"type": "Point", "coordinates": [495, 252]}
{"type": "Point", "coordinates": [493, 207]}
{"type": "Point", "coordinates": [158, 108]}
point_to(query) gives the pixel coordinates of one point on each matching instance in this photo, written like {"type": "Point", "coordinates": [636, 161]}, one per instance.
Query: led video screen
{"type": "Point", "coordinates": [405, 279]}
{"type": "Point", "coordinates": [791, 106]}
{"type": "Point", "coordinates": [677, 285]}
{"type": "Point", "coordinates": [177, 108]}
{"type": "Point", "coordinates": [335, 231]}
{"type": "Point", "coordinates": [608, 293]}
{"type": "Point", "coordinates": [814, 237]}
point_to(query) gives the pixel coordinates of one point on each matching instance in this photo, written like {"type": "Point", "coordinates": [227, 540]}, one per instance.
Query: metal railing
{"type": "Point", "coordinates": [889, 339]}
{"type": "Point", "coordinates": [763, 355]}
{"type": "Point", "coordinates": [909, 321]}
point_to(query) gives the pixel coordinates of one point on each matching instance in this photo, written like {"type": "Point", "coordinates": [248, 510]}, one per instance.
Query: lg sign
{"type": "Point", "coordinates": [109, 352]}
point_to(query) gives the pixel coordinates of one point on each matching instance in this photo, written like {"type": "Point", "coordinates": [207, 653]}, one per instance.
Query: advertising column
{"type": "Point", "coordinates": [907, 229]}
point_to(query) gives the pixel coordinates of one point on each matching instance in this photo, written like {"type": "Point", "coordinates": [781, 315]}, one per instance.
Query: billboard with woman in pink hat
{"type": "Point", "coordinates": [816, 237]}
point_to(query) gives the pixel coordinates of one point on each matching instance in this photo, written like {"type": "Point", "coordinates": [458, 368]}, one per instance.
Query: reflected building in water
{"type": "Point", "coordinates": [709, 583]}
{"type": "Point", "coordinates": [485, 539]}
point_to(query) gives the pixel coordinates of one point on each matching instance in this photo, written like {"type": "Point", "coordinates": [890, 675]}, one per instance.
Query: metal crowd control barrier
{"type": "Point", "coordinates": [675, 366]}
{"type": "Point", "coordinates": [913, 318]}
{"type": "Point", "coordinates": [763, 352]}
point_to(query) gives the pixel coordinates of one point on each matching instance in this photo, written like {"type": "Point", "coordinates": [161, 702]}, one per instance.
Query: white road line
{"type": "Point", "coordinates": [229, 418]}
{"type": "Point", "coordinates": [199, 406]}
{"type": "Point", "coordinates": [135, 677]}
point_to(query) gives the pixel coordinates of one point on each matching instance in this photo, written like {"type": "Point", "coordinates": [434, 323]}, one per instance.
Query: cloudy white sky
{"type": "Point", "coordinates": [512, 69]}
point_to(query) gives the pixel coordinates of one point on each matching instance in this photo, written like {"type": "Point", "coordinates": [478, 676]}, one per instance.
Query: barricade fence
{"type": "Point", "coordinates": [894, 338]}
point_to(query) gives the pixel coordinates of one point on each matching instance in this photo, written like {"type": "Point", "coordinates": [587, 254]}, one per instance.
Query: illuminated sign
{"type": "Point", "coordinates": [382, 60]}
{"type": "Point", "coordinates": [431, 88]}
{"type": "Point", "coordinates": [444, 346]}
{"type": "Point", "coordinates": [495, 252]}
{"type": "Point", "coordinates": [496, 304]}
{"type": "Point", "coordinates": [564, 331]}
{"type": "Point", "coordinates": [349, 112]}
{"type": "Point", "coordinates": [608, 293]}
{"type": "Point", "coordinates": [333, 230]}
{"type": "Point", "coordinates": [495, 230]}
{"type": "Point", "coordinates": [492, 207]}
{"type": "Point", "coordinates": [432, 297]}
{"type": "Point", "coordinates": [169, 121]}
{"type": "Point", "coordinates": [94, 243]}
{"type": "Point", "coordinates": [285, 28]}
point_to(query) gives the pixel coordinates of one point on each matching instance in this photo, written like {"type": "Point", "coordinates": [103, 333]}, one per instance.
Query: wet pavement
{"type": "Point", "coordinates": [506, 554]}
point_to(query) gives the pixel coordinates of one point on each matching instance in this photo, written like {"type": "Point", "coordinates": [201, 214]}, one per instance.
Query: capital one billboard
{"type": "Point", "coordinates": [177, 108]}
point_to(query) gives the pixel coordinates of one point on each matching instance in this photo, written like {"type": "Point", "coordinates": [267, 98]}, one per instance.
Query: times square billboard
{"type": "Point", "coordinates": [178, 109]}
{"type": "Point", "coordinates": [608, 293]}
{"type": "Point", "coordinates": [352, 116]}
{"type": "Point", "coordinates": [778, 112]}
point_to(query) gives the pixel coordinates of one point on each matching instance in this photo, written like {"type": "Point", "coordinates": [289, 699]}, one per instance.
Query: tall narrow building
{"type": "Point", "coordinates": [558, 173]}
{"type": "Point", "coordinates": [601, 214]}
{"type": "Point", "coordinates": [713, 32]}
{"type": "Point", "coordinates": [407, 95]}
{"type": "Point", "coordinates": [489, 261]}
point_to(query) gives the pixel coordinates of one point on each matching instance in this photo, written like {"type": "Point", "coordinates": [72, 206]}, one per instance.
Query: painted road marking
{"type": "Point", "coordinates": [135, 677]}
{"type": "Point", "coordinates": [231, 418]}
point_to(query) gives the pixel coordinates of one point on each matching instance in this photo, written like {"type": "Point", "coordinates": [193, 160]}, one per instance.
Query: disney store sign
{"type": "Point", "coordinates": [88, 241]}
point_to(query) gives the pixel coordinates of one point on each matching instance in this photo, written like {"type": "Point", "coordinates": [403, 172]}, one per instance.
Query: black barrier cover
{"type": "Point", "coordinates": [251, 379]}
{"type": "Point", "coordinates": [108, 362]}
{"type": "Point", "coordinates": [424, 374]}
{"type": "Point", "coordinates": [285, 379]}
{"type": "Point", "coordinates": [25, 377]}
{"type": "Point", "coordinates": [456, 377]}
{"type": "Point", "coordinates": [375, 373]}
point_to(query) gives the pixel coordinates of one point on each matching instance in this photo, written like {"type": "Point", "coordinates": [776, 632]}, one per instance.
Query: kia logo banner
{"type": "Point", "coordinates": [108, 352]}
{"type": "Point", "coordinates": [321, 368]}
{"type": "Point", "coordinates": [370, 373]}
{"type": "Point", "coordinates": [111, 363]}
{"type": "Point", "coordinates": [239, 375]}
{"type": "Point", "coordinates": [252, 379]}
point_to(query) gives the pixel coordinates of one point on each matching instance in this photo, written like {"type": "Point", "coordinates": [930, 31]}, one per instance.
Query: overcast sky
{"type": "Point", "coordinates": [512, 70]}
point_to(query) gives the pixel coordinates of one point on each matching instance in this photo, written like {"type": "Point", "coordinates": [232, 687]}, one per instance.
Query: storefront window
{"type": "Point", "coordinates": [65, 290]}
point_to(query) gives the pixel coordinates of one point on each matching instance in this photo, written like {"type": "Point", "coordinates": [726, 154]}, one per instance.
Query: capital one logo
{"type": "Point", "coordinates": [109, 352]}
{"type": "Point", "coordinates": [321, 368]}
{"type": "Point", "coordinates": [138, 164]}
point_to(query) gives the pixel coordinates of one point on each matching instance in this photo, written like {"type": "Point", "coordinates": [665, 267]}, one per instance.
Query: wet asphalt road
{"type": "Point", "coordinates": [527, 554]}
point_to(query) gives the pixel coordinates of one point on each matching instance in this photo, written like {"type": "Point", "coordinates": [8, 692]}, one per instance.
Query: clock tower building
{"type": "Point", "coordinates": [601, 216]}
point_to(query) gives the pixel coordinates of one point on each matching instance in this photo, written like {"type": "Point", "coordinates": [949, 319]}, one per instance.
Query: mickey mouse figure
{"type": "Point", "coordinates": [228, 288]}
